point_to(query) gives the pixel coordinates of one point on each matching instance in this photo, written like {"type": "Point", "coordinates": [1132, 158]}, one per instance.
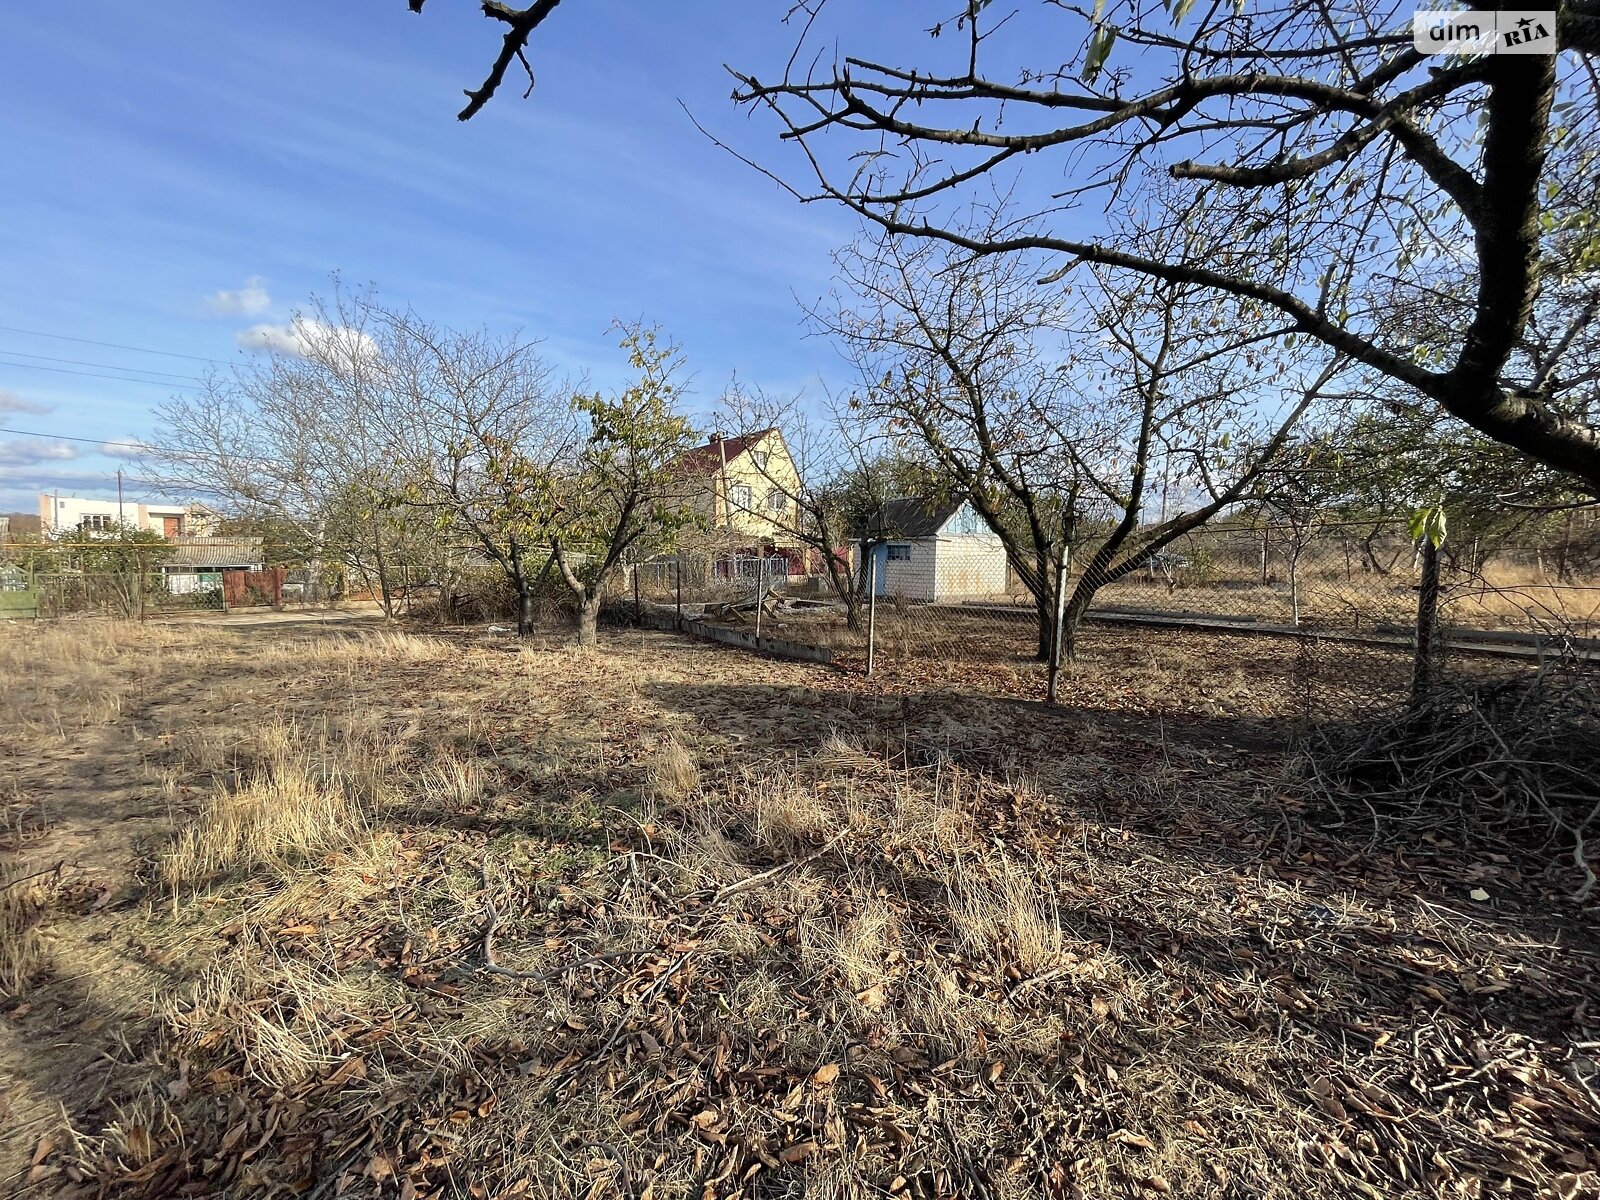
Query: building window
{"type": "Point", "coordinates": [777, 501]}
{"type": "Point", "coordinates": [97, 523]}
{"type": "Point", "coordinates": [740, 497]}
{"type": "Point", "coordinates": [760, 458]}
{"type": "Point", "coordinates": [899, 553]}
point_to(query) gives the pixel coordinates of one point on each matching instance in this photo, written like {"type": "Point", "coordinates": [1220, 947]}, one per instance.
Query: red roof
{"type": "Point", "coordinates": [707, 459]}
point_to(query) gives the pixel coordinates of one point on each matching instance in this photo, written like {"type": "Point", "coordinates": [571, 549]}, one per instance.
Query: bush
{"type": "Point", "coordinates": [1201, 571]}
{"type": "Point", "coordinates": [485, 594]}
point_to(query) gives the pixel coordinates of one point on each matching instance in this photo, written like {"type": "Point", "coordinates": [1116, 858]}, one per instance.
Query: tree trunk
{"type": "Point", "coordinates": [1072, 617]}
{"type": "Point", "coordinates": [589, 618]}
{"type": "Point", "coordinates": [841, 580]}
{"type": "Point", "coordinates": [523, 587]}
{"type": "Point", "coordinates": [852, 612]}
{"type": "Point", "coordinates": [385, 596]}
{"type": "Point", "coordinates": [1370, 555]}
{"type": "Point", "coordinates": [1045, 614]}
{"type": "Point", "coordinates": [525, 613]}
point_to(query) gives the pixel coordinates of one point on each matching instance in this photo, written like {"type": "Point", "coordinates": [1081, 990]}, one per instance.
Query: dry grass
{"type": "Point", "coordinates": [682, 922]}
{"type": "Point", "coordinates": [275, 819]}
{"type": "Point", "coordinates": [24, 897]}
{"type": "Point", "coordinates": [673, 775]}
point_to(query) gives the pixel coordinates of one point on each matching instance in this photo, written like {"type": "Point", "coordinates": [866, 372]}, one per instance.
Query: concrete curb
{"type": "Point", "coordinates": [778, 647]}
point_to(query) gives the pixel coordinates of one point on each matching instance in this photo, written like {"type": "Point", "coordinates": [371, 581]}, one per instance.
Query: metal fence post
{"type": "Point", "coordinates": [677, 578]}
{"type": "Point", "coordinates": [138, 575]}
{"type": "Point", "coordinates": [872, 609]}
{"type": "Point", "coordinates": [1427, 621]}
{"type": "Point", "coordinates": [1051, 688]}
{"type": "Point", "coordinates": [761, 581]}
{"type": "Point", "coordinates": [638, 609]}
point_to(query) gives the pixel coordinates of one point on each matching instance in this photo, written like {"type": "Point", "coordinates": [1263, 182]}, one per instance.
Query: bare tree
{"type": "Point", "coordinates": [956, 354]}
{"type": "Point", "coordinates": [540, 478]}
{"type": "Point", "coordinates": [1301, 492]}
{"type": "Point", "coordinates": [1340, 156]}
{"type": "Point", "coordinates": [289, 437]}
{"type": "Point", "coordinates": [1343, 161]}
{"type": "Point", "coordinates": [1058, 411]}
{"type": "Point", "coordinates": [479, 424]}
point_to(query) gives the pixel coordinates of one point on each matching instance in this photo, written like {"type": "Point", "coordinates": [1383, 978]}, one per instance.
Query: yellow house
{"type": "Point", "coordinates": [743, 488]}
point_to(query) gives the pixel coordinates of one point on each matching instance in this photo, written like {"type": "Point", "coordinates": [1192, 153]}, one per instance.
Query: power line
{"type": "Point", "coordinates": [61, 337]}
{"type": "Point", "coordinates": [78, 362]}
{"type": "Point", "coordinates": [97, 375]}
{"type": "Point", "coordinates": [62, 437]}
{"type": "Point", "coordinates": [137, 446]}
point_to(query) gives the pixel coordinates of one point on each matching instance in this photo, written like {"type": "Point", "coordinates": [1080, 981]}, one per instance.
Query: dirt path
{"type": "Point", "coordinates": [81, 815]}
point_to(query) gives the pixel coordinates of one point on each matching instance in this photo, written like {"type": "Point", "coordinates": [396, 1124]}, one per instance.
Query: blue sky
{"type": "Point", "coordinates": [182, 171]}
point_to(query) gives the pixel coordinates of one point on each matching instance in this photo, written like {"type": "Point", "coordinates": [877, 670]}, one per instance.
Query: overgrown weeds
{"type": "Point", "coordinates": [1510, 764]}
{"type": "Point", "coordinates": [305, 796]}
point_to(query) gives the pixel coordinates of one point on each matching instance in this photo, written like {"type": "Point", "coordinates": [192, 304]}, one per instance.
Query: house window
{"type": "Point", "coordinates": [740, 496]}
{"type": "Point", "coordinates": [777, 501]}
{"type": "Point", "coordinates": [760, 458]}
{"type": "Point", "coordinates": [899, 553]}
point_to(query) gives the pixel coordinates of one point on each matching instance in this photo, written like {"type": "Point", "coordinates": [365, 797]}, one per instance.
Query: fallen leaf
{"type": "Point", "coordinates": [872, 998]}
{"type": "Point", "coordinates": [826, 1074]}
{"type": "Point", "coordinates": [798, 1152]}
{"type": "Point", "coordinates": [1478, 894]}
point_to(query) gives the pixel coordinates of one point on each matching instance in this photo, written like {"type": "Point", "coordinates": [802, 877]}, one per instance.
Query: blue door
{"type": "Point", "coordinates": [880, 555]}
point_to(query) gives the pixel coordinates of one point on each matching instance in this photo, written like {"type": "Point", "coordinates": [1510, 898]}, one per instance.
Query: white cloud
{"type": "Point", "coordinates": [10, 402]}
{"type": "Point", "coordinates": [302, 338]}
{"type": "Point", "coordinates": [25, 452]}
{"type": "Point", "coordinates": [249, 300]}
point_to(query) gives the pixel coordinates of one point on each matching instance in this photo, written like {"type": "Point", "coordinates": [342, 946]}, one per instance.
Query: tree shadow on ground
{"type": "Point", "coordinates": [1218, 862]}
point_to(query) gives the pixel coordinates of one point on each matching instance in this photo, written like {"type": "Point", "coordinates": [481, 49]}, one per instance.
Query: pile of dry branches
{"type": "Point", "coordinates": [1511, 764]}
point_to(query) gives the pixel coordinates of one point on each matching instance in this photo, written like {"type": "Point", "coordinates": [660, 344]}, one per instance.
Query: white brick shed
{"type": "Point", "coordinates": [936, 550]}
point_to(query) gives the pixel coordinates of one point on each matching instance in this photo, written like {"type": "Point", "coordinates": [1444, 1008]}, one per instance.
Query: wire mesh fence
{"type": "Point", "coordinates": [1325, 629]}
{"type": "Point", "coordinates": [126, 580]}
{"type": "Point", "coordinates": [1261, 619]}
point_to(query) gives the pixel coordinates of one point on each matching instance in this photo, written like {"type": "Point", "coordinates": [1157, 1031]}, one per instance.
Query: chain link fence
{"type": "Point", "coordinates": [1266, 620]}
{"type": "Point", "coordinates": [125, 580]}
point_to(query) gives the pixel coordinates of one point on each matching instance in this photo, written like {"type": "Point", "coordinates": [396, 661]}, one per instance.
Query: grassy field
{"type": "Point", "coordinates": [331, 910]}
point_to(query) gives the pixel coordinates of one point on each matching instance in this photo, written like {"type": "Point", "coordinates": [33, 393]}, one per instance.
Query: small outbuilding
{"type": "Point", "coordinates": [936, 548]}
{"type": "Point", "coordinates": [197, 563]}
